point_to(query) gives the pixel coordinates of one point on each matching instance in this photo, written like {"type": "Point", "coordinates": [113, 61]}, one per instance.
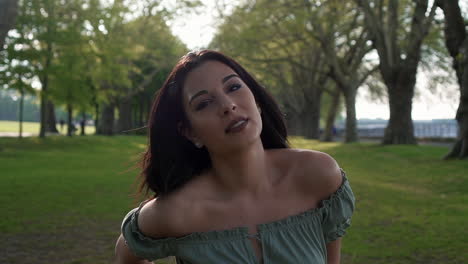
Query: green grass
{"type": "Point", "coordinates": [65, 194]}
{"type": "Point", "coordinates": [70, 177]}
{"type": "Point", "coordinates": [33, 127]}
{"type": "Point", "coordinates": [412, 207]}
{"type": "Point", "coordinates": [70, 194]}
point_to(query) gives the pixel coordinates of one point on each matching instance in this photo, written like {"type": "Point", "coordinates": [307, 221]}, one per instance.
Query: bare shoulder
{"type": "Point", "coordinates": [315, 172]}
{"type": "Point", "coordinates": [177, 214]}
{"type": "Point", "coordinates": [160, 218]}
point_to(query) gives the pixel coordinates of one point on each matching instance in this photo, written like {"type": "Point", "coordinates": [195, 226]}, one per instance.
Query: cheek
{"type": "Point", "coordinates": [203, 127]}
{"type": "Point", "coordinates": [259, 122]}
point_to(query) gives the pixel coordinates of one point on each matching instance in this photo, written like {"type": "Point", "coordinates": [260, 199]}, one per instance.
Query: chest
{"type": "Point", "coordinates": [297, 240]}
{"type": "Point", "coordinates": [251, 214]}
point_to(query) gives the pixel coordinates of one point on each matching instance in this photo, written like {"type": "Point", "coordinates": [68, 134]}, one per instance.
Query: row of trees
{"type": "Point", "coordinates": [310, 53]}
{"type": "Point", "coordinates": [99, 56]}
{"type": "Point", "coordinates": [89, 56]}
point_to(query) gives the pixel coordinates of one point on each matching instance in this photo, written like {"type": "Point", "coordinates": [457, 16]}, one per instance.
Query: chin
{"type": "Point", "coordinates": [247, 140]}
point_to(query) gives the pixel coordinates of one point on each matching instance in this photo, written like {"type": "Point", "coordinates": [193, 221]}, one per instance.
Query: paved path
{"type": "Point", "coordinates": [421, 142]}
{"type": "Point", "coordinates": [27, 134]}
{"type": "Point", "coordinates": [15, 134]}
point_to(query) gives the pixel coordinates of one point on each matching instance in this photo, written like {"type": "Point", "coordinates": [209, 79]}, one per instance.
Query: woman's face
{"type": "Point", "coordinates": [221, 109]}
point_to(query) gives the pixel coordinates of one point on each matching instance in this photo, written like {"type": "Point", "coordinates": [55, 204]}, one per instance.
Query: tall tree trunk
{"type": "Point", "coordinates": [310, 114]}
{"type": "Point", "coordinates": [71, 126]}
{"type": "Point", "coordinates": [400, 124]}
{"type": "Point", "coordinates": [455, 34]}
{"type": "Point", "coordinates": [456, 41]}
{"type": "Point", "coordinates": [125, 116]}
{"type": "Point", "coordinates": [310, 120]}
{"type": "Point", "coordinates": [51, 122]}
{"type": "Point", "coordinates": [135, 111]}
{"type": "Point", "coordinates": [351, 123]}
{"type": "Point", "coordinates": [142, 106]}
{"type": "Point", "coordinates": [8, 12]}
{"type": "Point", "coordinates": [294, 124]}
{"type": "Point", "coordinates": [45, 82]}
{"type": "Point", "coordinates": [83, 124]}
{"type": "Point", "coordinates": [460, 148]}
{"type": "Point", "coordinates": [106, 123]}
{"type": "Point", "coordinates": [398, 63]}
{"type": "Point", "coordinates": [314, 122]}
{"type": "Point", "coordinates": [42, 128]}
{"type": "Point", "coordinates": [329, 131]}
{"type": "Point", "coordinates": [97, 128]}
{"type": "Point", "coordinates": [21, 113]}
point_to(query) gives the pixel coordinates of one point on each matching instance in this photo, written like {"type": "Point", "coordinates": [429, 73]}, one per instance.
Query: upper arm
{"type": "Point", "coordinates": [123, 255]}
{"type": "Point", "coordinates": [140, 225]}
{"type": "Point", "coordinates": [333, 252]}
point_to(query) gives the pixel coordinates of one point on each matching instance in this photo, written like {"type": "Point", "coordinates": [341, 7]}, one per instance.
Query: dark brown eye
{"type": "Point", "coordinates": [234, 87]}
{"type": "Point", "coordinates": [202, 105]}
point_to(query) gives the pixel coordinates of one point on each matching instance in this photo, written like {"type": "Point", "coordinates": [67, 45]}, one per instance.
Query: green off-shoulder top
{"type": "Point", "coordinates": [296, 239]}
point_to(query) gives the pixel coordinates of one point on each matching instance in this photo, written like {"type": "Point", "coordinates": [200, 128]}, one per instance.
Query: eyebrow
{"type": "Point", "coordinates": [202, 92]}
{"type": "Point", "coordinates": [225, 79]}
{"type": "Point", "coordinates": [198, 94]}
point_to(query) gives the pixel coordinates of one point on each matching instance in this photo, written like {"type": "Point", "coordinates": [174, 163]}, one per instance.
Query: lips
{"type": "Point", "coordinates": [236, 125]}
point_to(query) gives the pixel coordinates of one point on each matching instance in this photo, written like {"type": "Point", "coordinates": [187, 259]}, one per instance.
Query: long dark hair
{"type": "Point", "coordinates": [171, 160]}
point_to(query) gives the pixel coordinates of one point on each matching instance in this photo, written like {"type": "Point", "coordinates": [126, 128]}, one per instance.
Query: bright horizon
{"type": "Point", "coordinates": [197, 30]}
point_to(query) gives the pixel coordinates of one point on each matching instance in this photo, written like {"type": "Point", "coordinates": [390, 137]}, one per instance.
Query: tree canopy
{"type": "Point", "coordinates": [108, 58]}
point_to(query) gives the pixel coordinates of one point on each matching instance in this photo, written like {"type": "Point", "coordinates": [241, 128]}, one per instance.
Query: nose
{"type": "Point", "coordinates": [227, 106]}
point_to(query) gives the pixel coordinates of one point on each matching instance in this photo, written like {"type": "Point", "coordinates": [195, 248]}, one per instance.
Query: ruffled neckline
{"type": "Point", "coordinates": [241, 232]}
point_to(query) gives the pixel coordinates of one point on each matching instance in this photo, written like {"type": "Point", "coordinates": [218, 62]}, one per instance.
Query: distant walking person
{"type": "Point", "coordinates": [82, 126]}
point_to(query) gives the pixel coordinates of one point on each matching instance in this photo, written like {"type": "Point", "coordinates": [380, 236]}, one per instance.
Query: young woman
{"type": "Point", "coordinates": [228, 189]}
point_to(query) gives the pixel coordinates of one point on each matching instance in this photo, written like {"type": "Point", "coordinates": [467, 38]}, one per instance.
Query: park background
{"type": "Point", "coordinates": [379, 85]}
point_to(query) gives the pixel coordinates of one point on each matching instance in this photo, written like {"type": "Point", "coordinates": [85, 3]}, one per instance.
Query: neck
{"type": "Point", "coordinates": [243, 170]}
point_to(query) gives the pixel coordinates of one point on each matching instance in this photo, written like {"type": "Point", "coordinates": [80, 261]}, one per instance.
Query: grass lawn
{"type": "Point", "coordinates": [33, 127]}
{"type": "Point", "coordinates": [63, 200]}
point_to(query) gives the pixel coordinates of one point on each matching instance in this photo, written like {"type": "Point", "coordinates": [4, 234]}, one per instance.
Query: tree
{"type": "Point", "coordinates": [272, 45]}
{"type": "Point", "coordinates": [72, 52]}
{"type": "Point", "coordinates": [8, 10]}
{"type": "Point", "coordinates": [112, 56]}
{"type": "Point", "coordinates": [47, 36]}
{"type": "Point", "coordinates": [37, 23]}
{"type": "Point", "coordinates": [329, 131]}
{"type": "Point", "coordinates": [131, 54]}
{"type": "Point", "coordinates": [457, 44]}
{"type": "Point", "coordinates": [338, 27]}
{"type": "Point", "coordinates": [155, 49]}
{"type": "Point", "coordinates": [301, 45]}
{"type": "Point", "coordinates": [18, 78]}
{"type": "Point", "coordinates": [106, 55]}
{"type": "Point", "coordinates": [17, 71]}
{"type": "Point", "coordinates": [31, 44]}
{"type": "Point", "coordinates": [397, 37]}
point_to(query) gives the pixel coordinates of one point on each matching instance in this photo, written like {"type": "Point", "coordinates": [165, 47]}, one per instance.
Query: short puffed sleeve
{"type": "Point", "coordinates": [141, 245]}
{"type": "Point", "coordinates": [337, 211]}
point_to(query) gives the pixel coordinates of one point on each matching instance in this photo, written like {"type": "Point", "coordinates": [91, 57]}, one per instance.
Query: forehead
{"type": "Point", "coordinates": [206, 77]}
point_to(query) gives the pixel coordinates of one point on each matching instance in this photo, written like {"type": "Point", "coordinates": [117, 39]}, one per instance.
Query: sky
{"type": "Point", "coordinates": [197, 30]}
